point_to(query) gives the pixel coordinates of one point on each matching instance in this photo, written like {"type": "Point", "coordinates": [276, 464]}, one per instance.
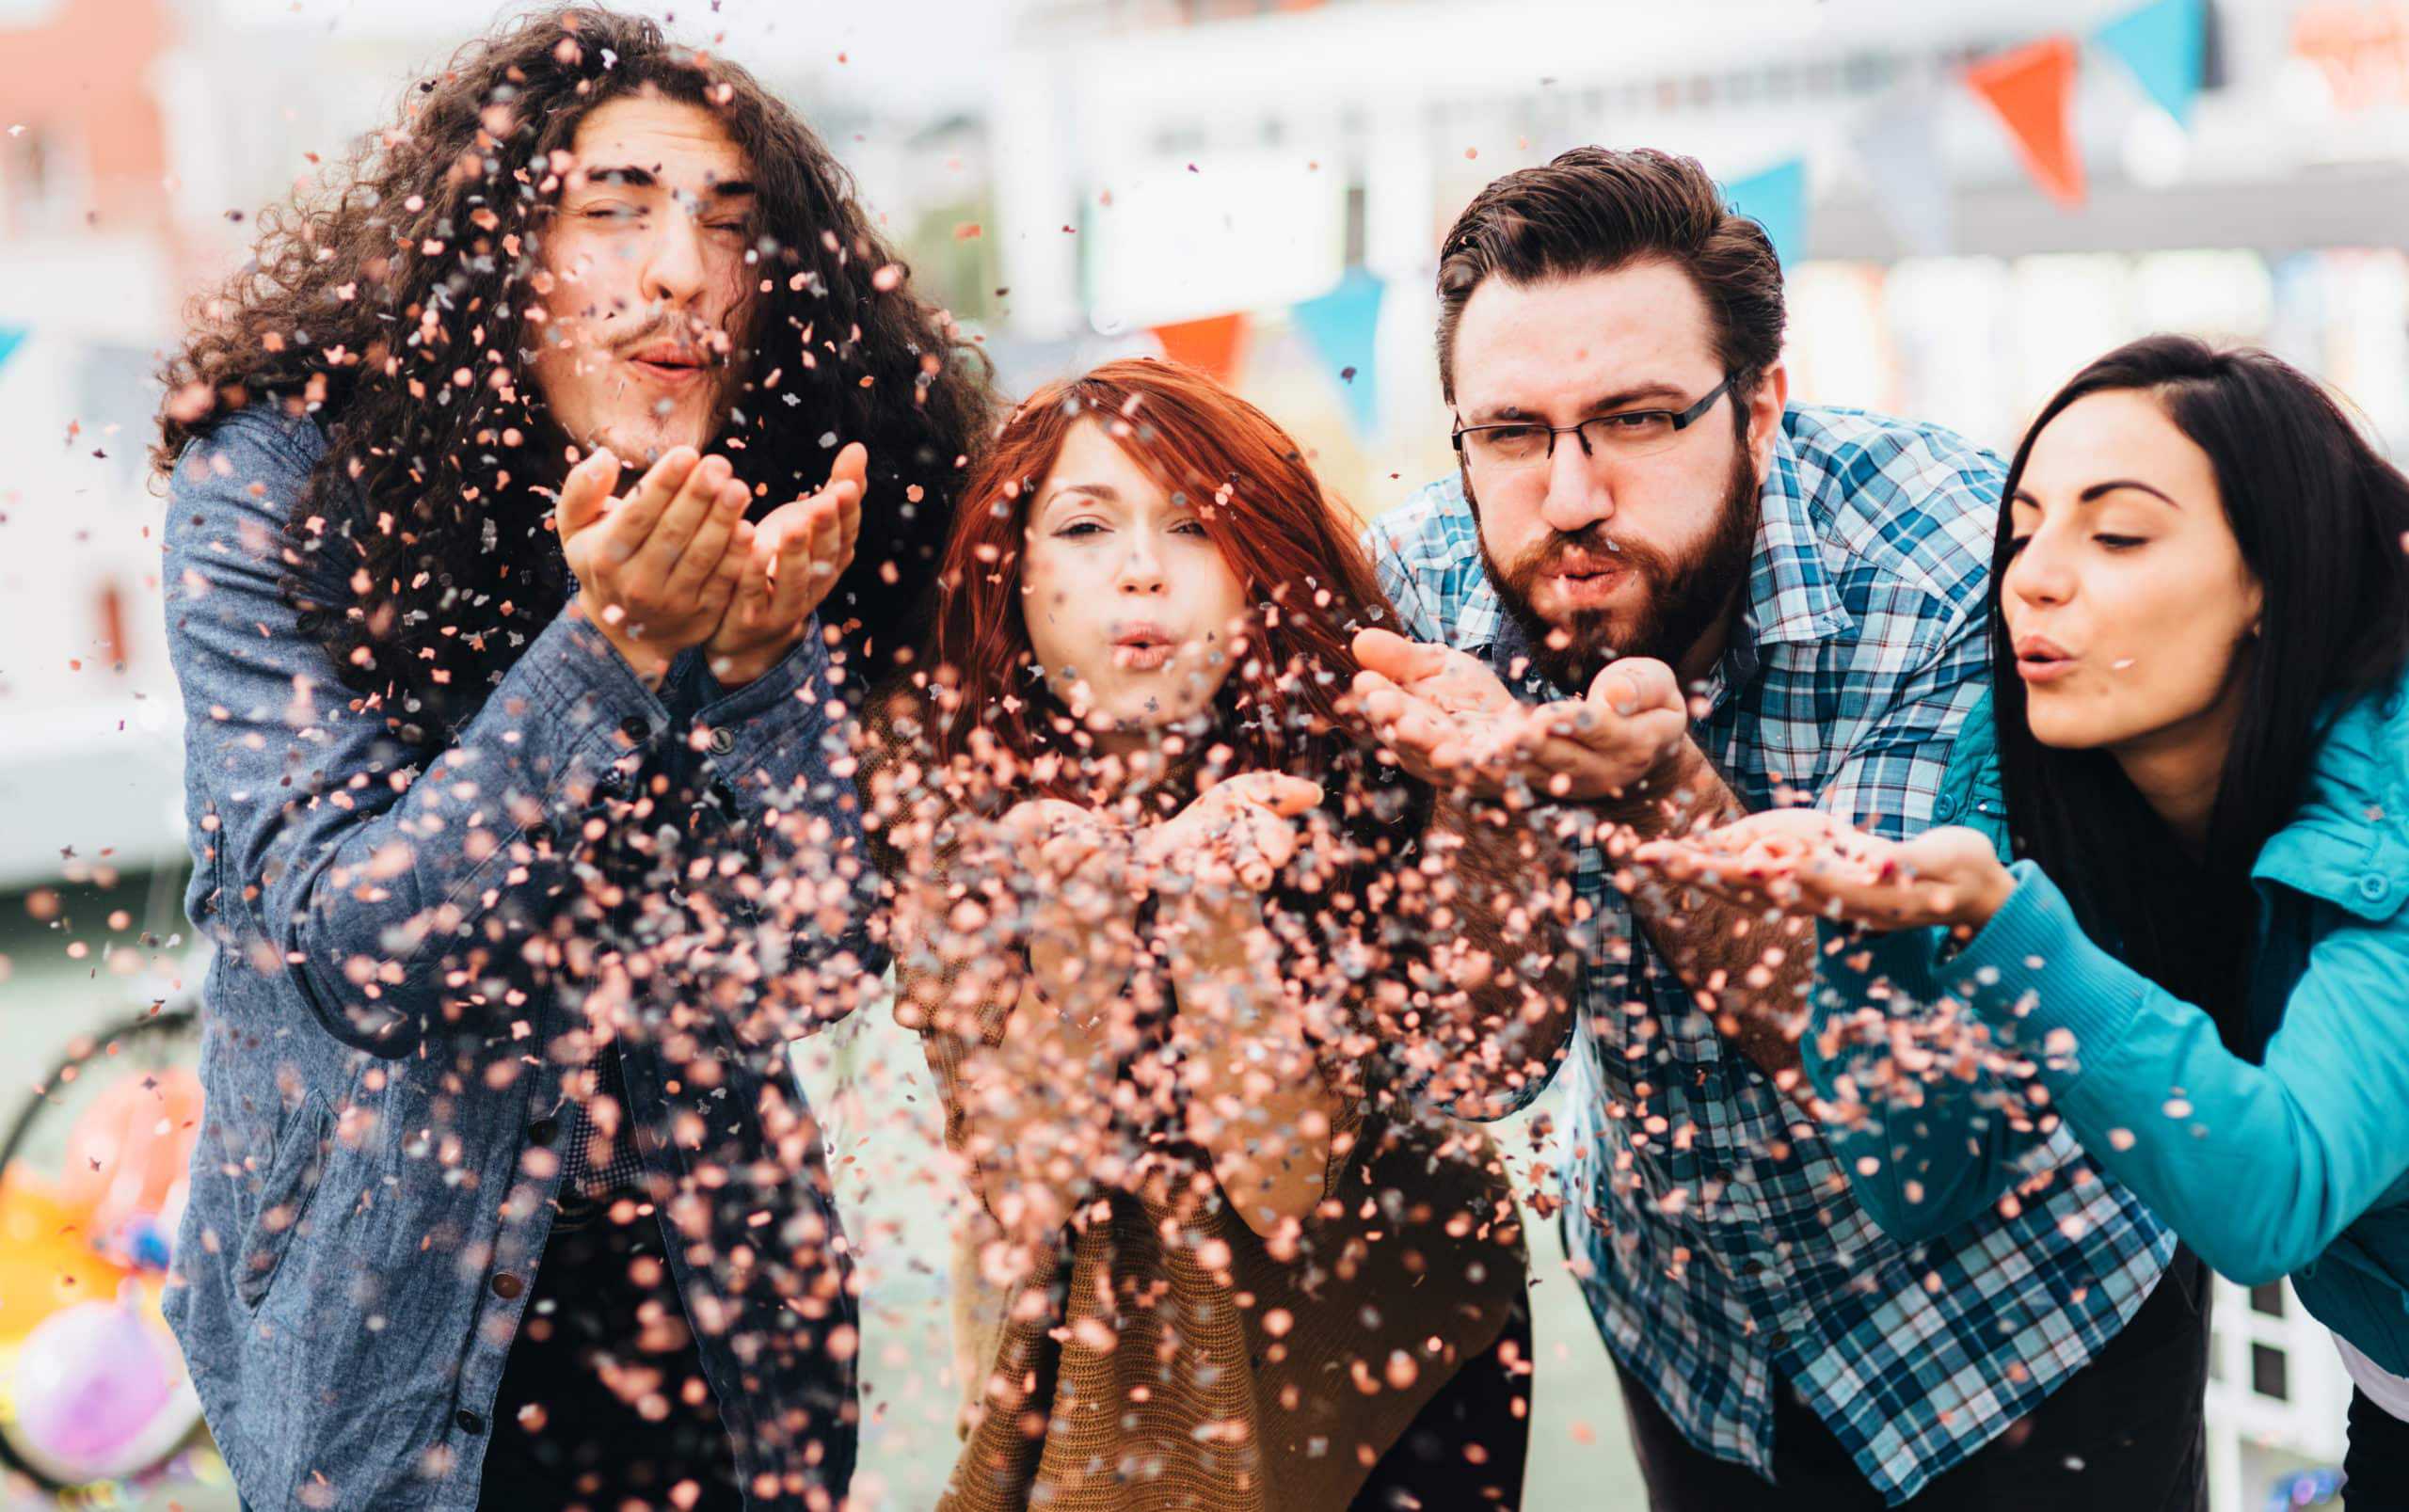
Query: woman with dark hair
{"type": "Point", "coordinates": [1181, 948]}
{"type": "Point", "coordinates": [2172, 921]}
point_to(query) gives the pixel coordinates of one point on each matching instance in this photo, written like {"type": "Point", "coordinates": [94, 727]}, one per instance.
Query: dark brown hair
{"type": "Point", "coordinates": [419, 552]}
{"type": "Point", "coordinates": [1594, 210]}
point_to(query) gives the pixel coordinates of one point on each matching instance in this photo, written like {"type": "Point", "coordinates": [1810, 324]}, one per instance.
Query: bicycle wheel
{"type": "Point", "coordinates": [92, 1386]}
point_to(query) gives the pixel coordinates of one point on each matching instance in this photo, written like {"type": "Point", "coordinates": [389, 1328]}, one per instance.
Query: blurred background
{"type": "Point", "coordinates": [1971, 200]}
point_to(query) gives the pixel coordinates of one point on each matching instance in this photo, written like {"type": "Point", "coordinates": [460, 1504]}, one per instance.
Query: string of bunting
{"type": "Point", "coordinates": [2029, 89]}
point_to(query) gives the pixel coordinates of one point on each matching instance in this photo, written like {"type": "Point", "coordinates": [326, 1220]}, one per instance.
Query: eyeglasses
{"type": "Point", "coordinates": [1517, 444]}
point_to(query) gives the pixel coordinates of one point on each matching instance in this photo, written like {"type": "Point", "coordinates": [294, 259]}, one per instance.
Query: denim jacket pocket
{"type": "Point", "coordinates": [285, 1195]}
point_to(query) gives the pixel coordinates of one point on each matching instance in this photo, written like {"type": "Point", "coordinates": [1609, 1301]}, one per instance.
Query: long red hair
{"type": "Point", "coordinates": [1307, 582]}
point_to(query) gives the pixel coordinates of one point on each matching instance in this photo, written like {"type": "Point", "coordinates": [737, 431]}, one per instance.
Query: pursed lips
{"type": "Point", "coordinates": [2038, 658]}
{"type": "Point", "coordinates": [1141, 646]}
{"type": "Point", "coordinates": [669, 362]}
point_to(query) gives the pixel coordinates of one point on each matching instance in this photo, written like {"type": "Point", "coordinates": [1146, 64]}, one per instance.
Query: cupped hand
{"type": "Point", "coordinates": [1081, 903]}
{"type": "Point", "coordinates": [1804, 861]}
{"type": "Point", "coordinates": [1449, 719]}
{"type": "Point", "coordinates": [793, 559]}
{"type": "Point", "coordinates": [1241, 831]}
{"type": "Point", "coordinates": [656, 570]}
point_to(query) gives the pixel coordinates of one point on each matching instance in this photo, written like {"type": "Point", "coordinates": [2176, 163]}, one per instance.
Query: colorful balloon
{"type": "Point", "coordinates": [128, 1150]}
{"type": "Point", "coordinates": [99, 1389]}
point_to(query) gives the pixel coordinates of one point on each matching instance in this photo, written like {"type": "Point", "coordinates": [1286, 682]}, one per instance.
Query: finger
{"type": "Point", "coordinates": [1273, 840]}
{"type": "Point", "coordinates": [800, 577]}
{"type": "Point", "coordinates": [1634, 684]}
{"type": "Point", "coordinates": [1395, 657]}
{"type": "Point", "coordinates": [831, 540]}
{"type": "Point", "coordinates": [849, 519]}
{"type": "Point", "coordinates": [1282, 794]}
{"type": "Point", "coordinates": [824, 537]}
{"type": "Point", "coordinates": [719, 591]}
{"type": "Point", "coordinates": [1557, 766]}
{"type": "Point", "coordinates": [1400, 719]}
{"type": "Point", "coordinates": [704, 555]}
{"type": "Point", "coordinates": [680, 518]}
{"type": "Point", "coordinates": [851, 467]}
{"type": "Point", "coordinates": [583, 492]}
{"type": "Point", "coordinates": [753, 589]}
{"type": "Point", "coordinates": [1631, 745]}
{"type": "Point", "coordinates": [651, 498]}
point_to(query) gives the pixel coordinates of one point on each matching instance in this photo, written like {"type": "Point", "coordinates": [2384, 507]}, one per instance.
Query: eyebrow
{"type": "Point", "coordinates": [1101, 492]}
{"type": "Point", "coordinates": [2101, 490]}
{"type": "Point", "coordinates": [1656, 390]}
{"type": "Point", "coordinates": [631, 176]}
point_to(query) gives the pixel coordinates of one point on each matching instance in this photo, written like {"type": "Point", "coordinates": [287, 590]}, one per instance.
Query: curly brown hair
{"type": "Point", "coordinates": [420, 553]}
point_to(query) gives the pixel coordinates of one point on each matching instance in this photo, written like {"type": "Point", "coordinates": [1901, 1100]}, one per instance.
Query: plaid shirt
{"type": "Point", "coordinates": [1723, 1246]}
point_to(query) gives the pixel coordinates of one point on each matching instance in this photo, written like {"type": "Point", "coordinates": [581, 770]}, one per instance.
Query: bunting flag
{"type": "Point", "coordinates": [2031, 90]}
{"type": "Point", "coordinates": [1776, 199]}
{"type": "Point", "coordinates": [1210, 345]}
{"type": "Point", "coordinates": [1342, 326]}
{"type": "Point", "coordinates": [2165, 45]}
{"type": "Point", "coordinates": [12, 337]}
{"type": "Point", "coordinates": [1901, 151]}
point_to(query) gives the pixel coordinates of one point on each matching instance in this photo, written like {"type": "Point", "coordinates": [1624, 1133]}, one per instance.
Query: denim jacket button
{"type": "Point", "coordinates": [470, 1422]}
{"type": "Point", "coordinates": [543, 1132]}
{"type": "Point", "coordinates": [636, 727]}
{"type": "Point", "coordinates": [1947, 807]}
{"type": "Point", "coordinates": [508, 1286]}
{"type": "Point", "coordinates": [723, 742]}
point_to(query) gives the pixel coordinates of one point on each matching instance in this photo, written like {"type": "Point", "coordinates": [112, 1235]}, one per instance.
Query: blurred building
{"type": "Point", "coordinates": [1237, 154]}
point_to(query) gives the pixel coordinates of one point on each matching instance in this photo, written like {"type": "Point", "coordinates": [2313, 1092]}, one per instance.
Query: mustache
{"type": "Point", "coordinates": [1591, 541]}
{"type": "Point", "coordinates": [716, 346]}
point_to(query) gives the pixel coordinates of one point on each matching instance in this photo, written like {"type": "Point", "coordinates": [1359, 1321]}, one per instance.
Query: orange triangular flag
{"type": "Point", "coordinates": [2033, 91]}
{"type": "Point", "coordinates": [1210, 345]}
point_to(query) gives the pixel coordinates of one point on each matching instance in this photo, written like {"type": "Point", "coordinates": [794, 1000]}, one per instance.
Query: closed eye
{"type": "Point", "coordinates": [2121, 543]}
{"type": "Point", "coordinates": [1079, 528]}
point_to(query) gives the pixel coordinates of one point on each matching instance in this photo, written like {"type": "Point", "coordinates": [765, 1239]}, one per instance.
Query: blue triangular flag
{"type": "Point", "coordinates": [2163, 43]}
{"type": "Point", "coordinates": [1776, 199]}
{"type": "Point", "coordinates": [12, 337]}
{"type": "Point", "coordinates": [1342, 326]}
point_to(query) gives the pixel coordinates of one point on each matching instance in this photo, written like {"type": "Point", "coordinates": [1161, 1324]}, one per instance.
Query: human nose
{"type": "Point", "coordinates": [1141, 569]}
{"type": "Point", "coordinates": [673, 271]}
{"type": "Point", "coordinates": [1577, 497]}
{"type": "Point", "coordinates": [2040, 576]}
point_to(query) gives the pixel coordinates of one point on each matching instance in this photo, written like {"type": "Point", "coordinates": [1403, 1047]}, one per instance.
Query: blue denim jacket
{"type": "Point", "coordinates": [369, 1197]}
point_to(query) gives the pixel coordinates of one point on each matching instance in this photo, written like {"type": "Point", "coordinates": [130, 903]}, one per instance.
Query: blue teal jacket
{"type": "Point", "coordinates": [2291, 1161]}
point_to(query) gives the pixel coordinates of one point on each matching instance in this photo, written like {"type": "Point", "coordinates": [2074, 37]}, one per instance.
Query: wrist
{"type": "Point", "coordinates": [1989, 895]}
{"type": "Point", "coordinates": [1676, 790]}
{"type": "Point", "coordinates": [736, 669]}
{"type": "Point", "coordinates": [648, 661]}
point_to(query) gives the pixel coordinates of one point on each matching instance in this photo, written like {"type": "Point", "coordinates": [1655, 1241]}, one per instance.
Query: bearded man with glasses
{"type": "Point", "coordinates": [1622, 618]}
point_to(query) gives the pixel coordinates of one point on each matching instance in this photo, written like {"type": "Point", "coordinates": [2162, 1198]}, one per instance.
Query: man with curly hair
{"type": "Point", "coordinates": [539, 493]}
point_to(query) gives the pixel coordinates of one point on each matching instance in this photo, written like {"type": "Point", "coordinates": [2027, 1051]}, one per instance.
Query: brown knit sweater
{"type": "Point", "coordinates": [1156, 1352]}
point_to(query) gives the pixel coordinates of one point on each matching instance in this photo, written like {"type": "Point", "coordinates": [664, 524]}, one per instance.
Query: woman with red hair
{"type": "Point", "coordinates": [1187, 959]}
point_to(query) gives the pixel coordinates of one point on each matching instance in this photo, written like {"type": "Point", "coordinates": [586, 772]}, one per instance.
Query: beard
{"type": "Point", "coordinates": [1682, 596]}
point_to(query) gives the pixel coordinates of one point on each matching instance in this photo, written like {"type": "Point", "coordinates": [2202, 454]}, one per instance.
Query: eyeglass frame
{"type": "Point", "coordinates": [1683, 420]}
